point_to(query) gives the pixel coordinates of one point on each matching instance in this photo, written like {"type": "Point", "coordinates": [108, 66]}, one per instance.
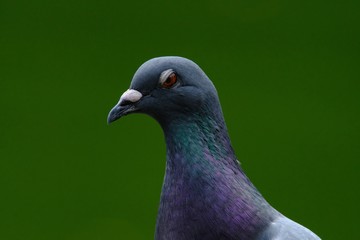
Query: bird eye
{"type": "Point", "coordinates": [170, 81]}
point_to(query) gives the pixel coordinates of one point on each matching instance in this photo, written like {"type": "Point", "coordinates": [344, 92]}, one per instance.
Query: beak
{"type": "Point", "coordinates": [125, 105]}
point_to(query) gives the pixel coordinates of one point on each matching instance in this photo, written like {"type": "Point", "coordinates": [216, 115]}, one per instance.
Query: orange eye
{"type": "Point", "coordinates": [170, 81]}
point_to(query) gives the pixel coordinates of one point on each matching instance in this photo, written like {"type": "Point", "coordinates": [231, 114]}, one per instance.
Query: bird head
{"type": "Point", "coordinates": [166, 88]}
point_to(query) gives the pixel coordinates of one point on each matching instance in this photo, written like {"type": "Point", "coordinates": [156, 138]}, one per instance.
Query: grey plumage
{"type": "Point", "coordinates": [284, 228]}
{"type": "Point", "coordinates": [206, 194]}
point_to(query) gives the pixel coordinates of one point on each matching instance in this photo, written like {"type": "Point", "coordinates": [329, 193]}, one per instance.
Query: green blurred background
{"type": "Point", "coordinates": [288, 78]}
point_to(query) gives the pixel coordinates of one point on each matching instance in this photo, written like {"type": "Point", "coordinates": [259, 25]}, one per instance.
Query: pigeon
{"type": "Point", "coordinates": [205, 194]}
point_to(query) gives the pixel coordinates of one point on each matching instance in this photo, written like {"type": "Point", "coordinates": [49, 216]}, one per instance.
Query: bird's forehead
{"type": "Point", "coordinates": [146, 77]}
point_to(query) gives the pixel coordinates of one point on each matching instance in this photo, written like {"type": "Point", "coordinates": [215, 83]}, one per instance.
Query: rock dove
{"type": "Point", "coordinates": [205, 194]}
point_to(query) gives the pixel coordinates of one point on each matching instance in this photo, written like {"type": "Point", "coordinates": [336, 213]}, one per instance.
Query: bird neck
{"type": "Point", "coordinates": [199, 147]}
{"type": "Point", "coordinates": [203, 176]}
{"type": "Point", "coordinates": [197, 138]}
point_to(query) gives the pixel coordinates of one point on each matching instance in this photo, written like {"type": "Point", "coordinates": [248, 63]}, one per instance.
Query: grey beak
{"type": "Point", "coordinates": [125, 105]}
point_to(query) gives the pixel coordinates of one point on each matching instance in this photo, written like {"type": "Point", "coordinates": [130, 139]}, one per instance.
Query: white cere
{"type": "Point", "coordinates": [131, 95]}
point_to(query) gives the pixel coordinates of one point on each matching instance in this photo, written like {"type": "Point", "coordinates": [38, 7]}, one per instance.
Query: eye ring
{"type": "Point", "coordinates": [170, 81]}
